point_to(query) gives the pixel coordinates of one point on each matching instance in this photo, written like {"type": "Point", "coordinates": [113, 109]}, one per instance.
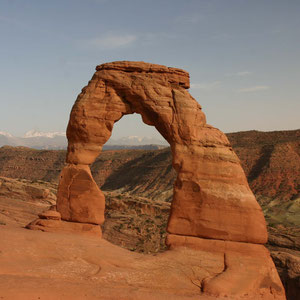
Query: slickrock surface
{"type": "Point", "coordinates": [139, 224]}
{"type": "Point", "coordinates": [211, 198]}
{"type": "Point", "coordinates": [51, 266]}
{"type": "Point", "coordinates": [50, 225]}
{"type": "Point", "coordinates": [258, 272]}
{"type": "Point", "coordinates": [56, 266]}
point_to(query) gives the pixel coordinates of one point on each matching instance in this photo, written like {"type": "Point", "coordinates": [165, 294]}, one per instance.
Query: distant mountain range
{"type": "Point", "coordinates": [135, 142]}
{"type": "Point", "coordinates": [58, 141]}
{"type": "Point", "coordinates": [35, 139]}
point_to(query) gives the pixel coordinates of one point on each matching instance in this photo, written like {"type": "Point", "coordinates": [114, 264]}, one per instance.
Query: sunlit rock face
{"type": "Point", "coordinates": [211, 197]}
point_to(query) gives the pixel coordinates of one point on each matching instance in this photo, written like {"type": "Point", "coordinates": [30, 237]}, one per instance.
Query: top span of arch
{"type": "Point", "coordinates": [175, 75]}
{"type": "Point", "coordinates": [158, 93]}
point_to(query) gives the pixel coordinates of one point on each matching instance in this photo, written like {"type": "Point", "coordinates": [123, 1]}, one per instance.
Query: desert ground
{"type": "Point", "coordinates": [131, 261]}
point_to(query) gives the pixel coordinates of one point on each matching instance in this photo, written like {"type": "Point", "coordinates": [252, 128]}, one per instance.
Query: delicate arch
{"type": "Point", "coordinates": [211, 196]}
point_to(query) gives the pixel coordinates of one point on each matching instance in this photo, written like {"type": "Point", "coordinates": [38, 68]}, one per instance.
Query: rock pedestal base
{"type": "Point", "coordinates": [50, 221]}
{"type": "Point", "coordinates": [248, 268]}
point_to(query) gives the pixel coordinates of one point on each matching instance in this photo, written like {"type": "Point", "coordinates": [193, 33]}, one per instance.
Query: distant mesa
{"type": "Point", "coordinates": [213, 209]}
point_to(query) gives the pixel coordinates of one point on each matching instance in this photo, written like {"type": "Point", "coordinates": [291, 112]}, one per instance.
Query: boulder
{"type": "Point", "coordinates": [50, 215]}
{"type": "Point", "coordinates": [52, 225]}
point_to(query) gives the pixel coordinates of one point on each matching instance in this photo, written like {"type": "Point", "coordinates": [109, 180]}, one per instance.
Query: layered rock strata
{"type": "Point", "coordinates": [211, 200]}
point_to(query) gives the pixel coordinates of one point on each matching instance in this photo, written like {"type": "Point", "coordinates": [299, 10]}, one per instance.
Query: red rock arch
{"type": "Point", "coordinates": [211, 196]}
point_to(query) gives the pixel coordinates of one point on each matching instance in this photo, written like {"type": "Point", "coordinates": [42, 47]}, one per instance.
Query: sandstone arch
{"type": "Point", "coordinates": [211, 196]}
{"type": "Point", "coordinates": [213, 213]}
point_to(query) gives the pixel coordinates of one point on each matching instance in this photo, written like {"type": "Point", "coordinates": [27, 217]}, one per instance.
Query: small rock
{"type": "Point", "coordinates": [50, 215]}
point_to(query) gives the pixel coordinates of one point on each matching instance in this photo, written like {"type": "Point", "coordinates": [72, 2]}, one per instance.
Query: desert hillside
{"type": "Point", "coordinates": [271, 161]}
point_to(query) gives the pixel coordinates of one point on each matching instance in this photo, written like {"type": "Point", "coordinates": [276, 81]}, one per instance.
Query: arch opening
{"type": "Point", "coordinates": [131, 131]}
{"type": "Point", "coordinates": [137, 182]}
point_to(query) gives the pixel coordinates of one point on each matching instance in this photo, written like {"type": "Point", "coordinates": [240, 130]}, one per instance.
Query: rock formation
{"type": "Point", "coordinates": [212, 201]}
{"type": "Point", "coordinates": [212, 198]}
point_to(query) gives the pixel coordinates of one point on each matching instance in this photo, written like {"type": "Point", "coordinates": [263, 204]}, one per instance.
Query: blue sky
{"type": "Point", "coordinates": [243, 57]}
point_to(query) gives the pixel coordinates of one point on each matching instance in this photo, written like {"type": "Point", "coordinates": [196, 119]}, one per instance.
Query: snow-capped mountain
{"type": "Point", "coordinates": [35, 133]}
{"type": "Point", "coordinates": [35, 139]}
{"type": "Point", "coordinates": [5, 134]}
{"type": "Point", "coordinates": [136, 141]}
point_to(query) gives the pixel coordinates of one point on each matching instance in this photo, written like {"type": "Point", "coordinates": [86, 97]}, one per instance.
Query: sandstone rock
{"type": "Point", "coordinates": [50, 215]}
{"type": "Point", "coordinates": [76, 267]}
{"type": "Point", "coordinates": [80, 199]}
{"type": "Point", "coordinates": [53, 207]}
{"type": "Point", "coordinates": [52, 225]}
{"type": "Point", "coordinates": [248, 268]}
{"type": "Point", "coordinates": [211, 195]}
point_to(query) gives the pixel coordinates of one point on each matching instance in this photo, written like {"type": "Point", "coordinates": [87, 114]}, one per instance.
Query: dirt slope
{"type": "Point", "coordinates": [271, 161]}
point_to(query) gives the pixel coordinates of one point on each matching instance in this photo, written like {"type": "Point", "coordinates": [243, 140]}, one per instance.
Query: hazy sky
{"type": "Point", "coordinates": [243, 57]}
